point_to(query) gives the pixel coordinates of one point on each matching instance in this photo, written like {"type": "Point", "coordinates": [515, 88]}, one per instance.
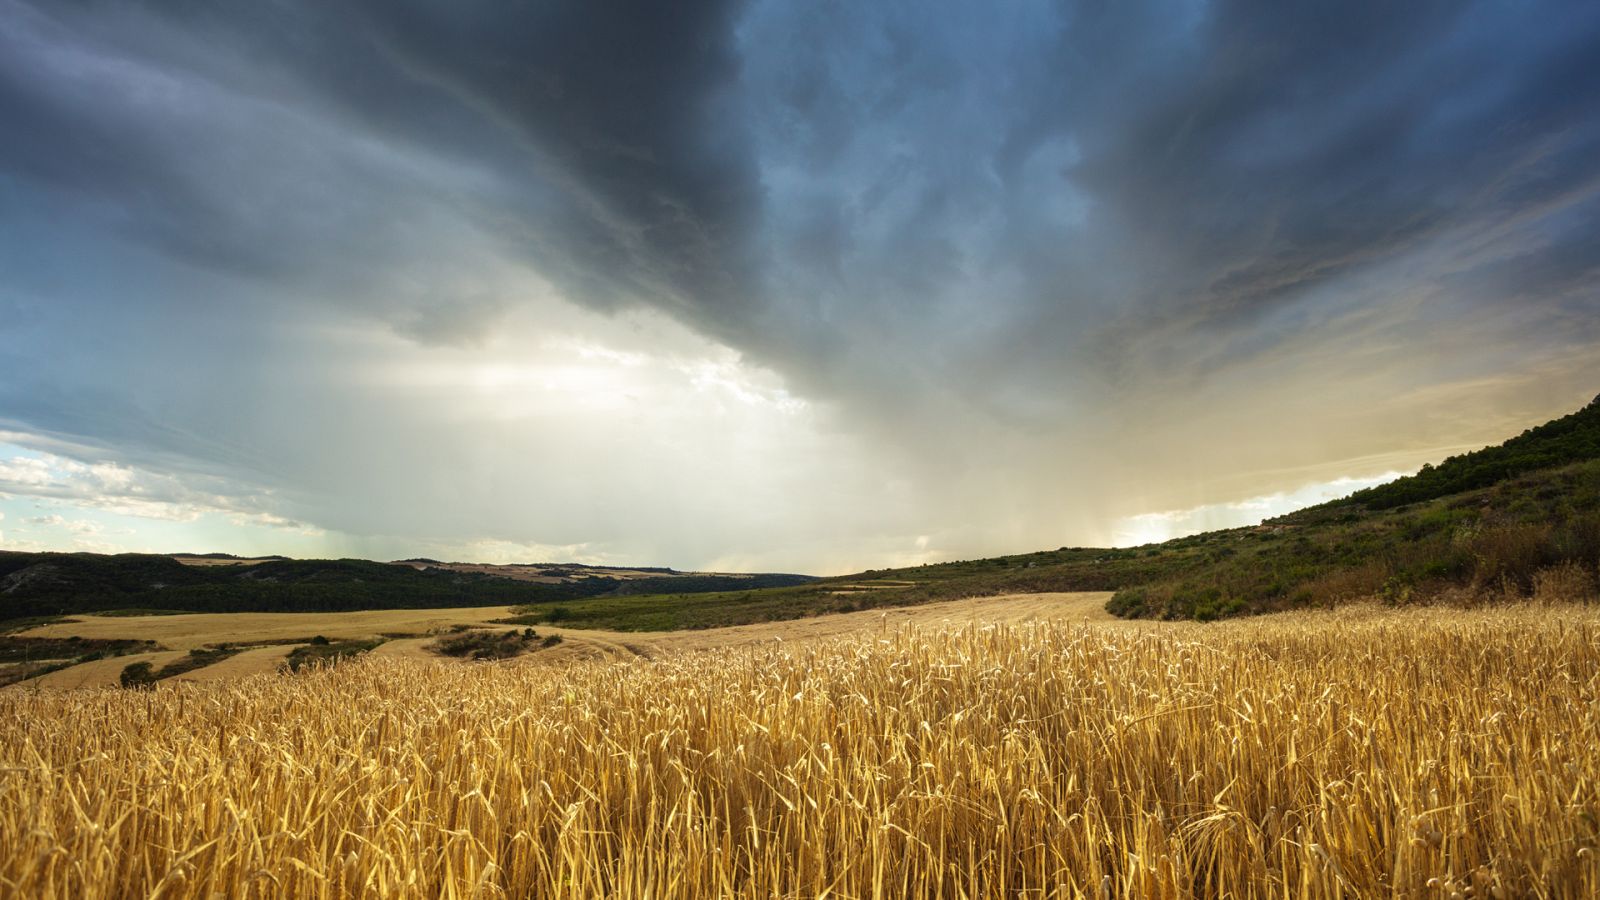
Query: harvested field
{"type": "Point", "coordinates": [184, 632]}
{"type": "Point", "coordinates": [254, 661]}
{"type": "Point", "coordinates": [99, 673]}
{"type": "Point", "coordinates": [190, 630]}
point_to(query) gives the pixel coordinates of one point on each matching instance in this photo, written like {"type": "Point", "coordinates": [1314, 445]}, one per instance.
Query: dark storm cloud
{"type": "Point", "coordinates": [1311, 140]}
{"type": "Point", "coordinates": [1223, 159]}
{"type": "Point", "coordinates": [962, 224]}
{"type": "Point", "coordinates": [604, 151]}
{"type": "Point", "coordinates": [1217, 164]}
{"type": "Point", "coordinates": [627, 110]}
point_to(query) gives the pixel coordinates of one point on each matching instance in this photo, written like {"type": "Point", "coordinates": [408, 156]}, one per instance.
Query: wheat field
{"type": "Point", "coordinates": [1358, 753]}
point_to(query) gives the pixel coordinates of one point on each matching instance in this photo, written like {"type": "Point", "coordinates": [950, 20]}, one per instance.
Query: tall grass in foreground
{"type": "Point", "coordinates": [1358, 753]}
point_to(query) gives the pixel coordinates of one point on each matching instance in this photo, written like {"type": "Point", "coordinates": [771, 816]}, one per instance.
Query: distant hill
{"type": "Point", "coordinates": [44, 584]}
{"type": "Point", "coordinates": [1504, 521]}
{"type": "Point", "coordinates": [1507, 521]}
{"type": "Point", "coordinates": [224, 557]}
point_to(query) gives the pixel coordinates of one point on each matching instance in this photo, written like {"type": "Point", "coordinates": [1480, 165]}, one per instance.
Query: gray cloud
{"type": "Point", "coordinates": [592, 142]}
{"type": "Point", "coordinates": [978, 233]}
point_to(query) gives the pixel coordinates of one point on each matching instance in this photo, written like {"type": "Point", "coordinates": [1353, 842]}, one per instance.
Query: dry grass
{"type": "Point", "coordinates": [188, 631]}
{"type": "Point", "coordinates": [1565, 583]}
{"type": "Point", "coordinates": [1358, 753]}
{"type": "Point", "coordinates": [100, 672]}
{"type": "Point", "coordinates": [242, 664]}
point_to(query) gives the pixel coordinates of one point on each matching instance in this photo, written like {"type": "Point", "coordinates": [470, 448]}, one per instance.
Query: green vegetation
{"type": "Point", "coordinates": [137, 675]}
{"type": "Point", "coordinates": [1074, 569]}
{"type": "Point", "coordinates": [54, 584]}
{"type": "Point", "coordinates": [1569, 439]}
{"type": "Point", "coordinates": [1536, 535]}
{"type": "Point", "coordinates": [700, 584]}
{"type": "Point", "coordinates": [12, 626]}
{"type": "Point", "coordinates": [1515, 520]}
{"type": "Point", "coordinates": [25, 649]}
{"type": "Point", "coordinates": [196, 659]}
{"type": "Point", "coordinates": [145, 675]}
{"type": "Point", "coordinates": [322, 651]}
{"type": "Point", "coordinates": [480, 643]}
{"type": "Point", "coordinates": [41, 584]}
{"type": "Point", "coordinates": [22, 658]}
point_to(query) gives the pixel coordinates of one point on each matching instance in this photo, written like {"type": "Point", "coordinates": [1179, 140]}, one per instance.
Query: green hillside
{"type": "Point", "coordinates": [1569, 439]}
{"type": "Point", "coordinates": [1539, 531]}
{"type": "Point", "coordinates": [1505, 521]}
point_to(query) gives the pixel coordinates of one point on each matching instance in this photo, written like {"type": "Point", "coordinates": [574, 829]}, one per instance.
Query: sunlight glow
{"type": "Point", "coordinates": [1155, 527]}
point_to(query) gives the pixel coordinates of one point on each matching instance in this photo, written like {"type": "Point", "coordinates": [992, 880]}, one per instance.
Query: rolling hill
{"type": "Point", "coordinates": [48, 584]}
{"type": "Point", "coordinates": [1514, 520]}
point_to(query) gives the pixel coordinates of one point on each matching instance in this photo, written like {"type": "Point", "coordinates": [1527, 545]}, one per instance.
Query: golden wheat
{"type": "Point", "coordinates": [1363, 753]}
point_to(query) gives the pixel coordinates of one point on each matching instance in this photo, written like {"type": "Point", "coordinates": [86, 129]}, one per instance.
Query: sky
{"type": "Point", "coordinates": [781, 286]}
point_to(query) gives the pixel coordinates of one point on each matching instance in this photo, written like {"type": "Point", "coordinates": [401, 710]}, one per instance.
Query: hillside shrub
{"type": "Point", "coordinates": [137, 675]}
{"type": "Point", "coordinates": [1567, 582]}
{"type": "Point", "coordinates": [1508, 556]}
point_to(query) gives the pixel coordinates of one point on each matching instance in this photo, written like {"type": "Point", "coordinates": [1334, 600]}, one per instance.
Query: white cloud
{"type": "Point", "coordinates": [19, 474]}
{"type": "Point", "coordinates": [25, 545]}
{"type": "Point", "coordinates": [81, 545]}
{"type": "Point", "coordinates": [127, 490]}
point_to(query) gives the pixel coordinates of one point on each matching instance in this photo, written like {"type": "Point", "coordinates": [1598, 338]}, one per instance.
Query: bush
{"type": "Point", "coordinates": [139, 675]}
{"type": "Point", "coordinates": [327, 652]}
{"type": "Point", "coordinates": [1508, 556]}
{"type": "Point", "coordinates": [485, 644]}
{"type": "Point", "coordinates": [1130, 603]}
{"type": "Point", "coordinates": [197, 659]}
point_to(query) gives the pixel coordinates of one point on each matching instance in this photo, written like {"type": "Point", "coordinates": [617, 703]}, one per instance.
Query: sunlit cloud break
{"type": "Point", "coordinates": [1155, 527]}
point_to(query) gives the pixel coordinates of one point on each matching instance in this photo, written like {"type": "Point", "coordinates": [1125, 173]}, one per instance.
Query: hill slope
{"type": "Point", "coordinates": [1538, 533]}
{"type": "Point", "coordinates": [1569, 439]}
{"type": "Point", "coordinates": [46, 584]}
{"type": "Point", "coordinates": [1508, 520]}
